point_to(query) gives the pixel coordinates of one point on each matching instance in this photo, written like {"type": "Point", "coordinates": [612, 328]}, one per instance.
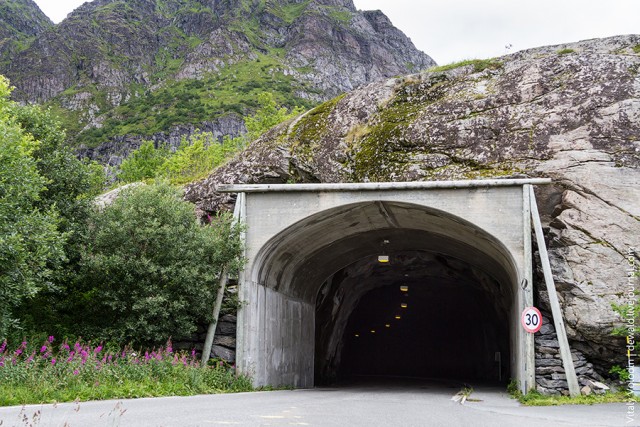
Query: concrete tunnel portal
{"type": "Point", "coordinates": [319, 306]}
{"type": "Point", "coordinates": [453, 316]}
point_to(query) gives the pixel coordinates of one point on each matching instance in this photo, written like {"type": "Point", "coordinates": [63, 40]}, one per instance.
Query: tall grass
{"type": "Point", "coordinates": [47, 373]}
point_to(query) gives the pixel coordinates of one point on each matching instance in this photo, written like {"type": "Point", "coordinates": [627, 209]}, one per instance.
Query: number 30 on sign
{"type": "Point", "coordinates": [531, 320]}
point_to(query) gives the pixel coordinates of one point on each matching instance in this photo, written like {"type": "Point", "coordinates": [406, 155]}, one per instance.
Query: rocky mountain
{"type": "Point", "coordinates": [569, 112]}
{"type": "Point", "coordinates": [21, 21]}
{"type": "Point", "coordinates": [118, 68]}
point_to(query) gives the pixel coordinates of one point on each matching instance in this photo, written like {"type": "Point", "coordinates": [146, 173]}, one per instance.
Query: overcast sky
{"type": "Point", "coordinates": [453, 30]}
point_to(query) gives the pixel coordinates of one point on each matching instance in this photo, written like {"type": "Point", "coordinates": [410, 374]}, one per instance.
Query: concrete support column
{"type": "Point", "coordinates": [526, 287]}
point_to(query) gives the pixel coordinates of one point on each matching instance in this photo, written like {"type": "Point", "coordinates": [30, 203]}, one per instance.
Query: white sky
{"type": "Point", "coordinates": [451, 30]}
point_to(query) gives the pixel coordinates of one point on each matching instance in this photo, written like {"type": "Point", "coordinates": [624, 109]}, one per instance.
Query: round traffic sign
{"type": "Point", "coordinates": [531, 320]}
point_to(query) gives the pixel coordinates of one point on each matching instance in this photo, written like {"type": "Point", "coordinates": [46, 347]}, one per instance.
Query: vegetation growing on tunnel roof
{"type": "Point", "coordinates": [311, 128]}
{"type": "Point", "coordinates": [380, 150]}
{"type": "Point", "coordinates": [479, 65]}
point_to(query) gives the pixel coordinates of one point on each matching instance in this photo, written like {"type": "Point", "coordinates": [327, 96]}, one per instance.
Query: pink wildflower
{"type": "Point", "coordinates": [53, 361]}
{"type": "Point", "coordinates": [20, 349]}
{"type": "Point", "coordinates": [43, 349]}
{"type": "Point", "coordinates": [3, 346]}
{"type": "Point", "coordinates": [51, 338]}
{"type": "Point", "coordinates": [76, 372]}
{"type": "Point", "coordinates": [98, 349]}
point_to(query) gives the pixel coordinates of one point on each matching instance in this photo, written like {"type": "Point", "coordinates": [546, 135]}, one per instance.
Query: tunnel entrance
{"type": "Point", "coordinates": [422, 314]}
{"type": "Point", "coordinates": [313, 281]}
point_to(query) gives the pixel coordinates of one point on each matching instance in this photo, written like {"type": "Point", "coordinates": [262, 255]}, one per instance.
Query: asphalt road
{"type": "Point", "coordinates": [415, 404]}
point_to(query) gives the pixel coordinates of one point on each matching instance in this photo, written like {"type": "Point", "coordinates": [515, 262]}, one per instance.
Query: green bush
{"type": "Point", "coordinates": [150, 270]}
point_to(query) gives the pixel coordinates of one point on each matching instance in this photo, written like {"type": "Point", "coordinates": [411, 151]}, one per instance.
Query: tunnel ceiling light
{"type": "Point", "coordinates": [387, 325]}
{"type": "Point", "coordinates": [357, 335]}
{"type": "Point", "coordinates": [404, 288]}
{"type": "Point", "coordinates": [373, 331]}
{"type": "Point", "coordinates": [398, 317]}
{"type": "Point", "coordinates": [403, 305]}
{"type": "Point", "coordinates": [383, 258]}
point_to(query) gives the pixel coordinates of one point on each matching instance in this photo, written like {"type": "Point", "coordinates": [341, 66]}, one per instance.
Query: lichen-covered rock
{"type": "Point", "coordinates": [569, 112]}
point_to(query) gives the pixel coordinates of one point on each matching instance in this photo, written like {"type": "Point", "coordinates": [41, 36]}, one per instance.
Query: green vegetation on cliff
{"type": "Point", "coordinates": [235, 89]}
{"type": "Point", "coordinates": [199, 154]}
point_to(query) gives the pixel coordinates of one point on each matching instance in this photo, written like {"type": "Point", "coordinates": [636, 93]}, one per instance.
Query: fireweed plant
{"type": "Point", "coordinates": [48, 372]}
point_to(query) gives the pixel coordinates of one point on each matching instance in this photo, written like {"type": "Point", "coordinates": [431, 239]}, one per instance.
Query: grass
{"type": "Point", "coordinates": [565, 51]}
{"type": "Point", "coordinates": [479, 65]}
{"type": "Point", "coordinates": [534, 398]}
{"type": "Point", "coordinates": [48, 373]}
{"type": "Point", "coordinates": [636, 48]}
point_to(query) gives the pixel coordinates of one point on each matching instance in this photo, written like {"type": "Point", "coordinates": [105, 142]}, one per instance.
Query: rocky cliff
{"type": "Point", "coordinates": [20, 22]}
{"type": "Point", "coordinates": [115, 68]}
{"type": "Point", "coordinates": [569, 112]}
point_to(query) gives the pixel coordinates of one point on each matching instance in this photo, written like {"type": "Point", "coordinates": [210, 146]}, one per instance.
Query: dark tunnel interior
{"type": "Point", "coordinates": [422, 315]}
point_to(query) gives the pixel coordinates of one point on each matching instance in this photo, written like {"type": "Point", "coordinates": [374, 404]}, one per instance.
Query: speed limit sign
{"type": "Point", "coordinates": [531, 320]}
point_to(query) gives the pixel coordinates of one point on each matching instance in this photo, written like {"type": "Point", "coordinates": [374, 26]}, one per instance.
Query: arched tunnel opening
{"type": "Point", "coordinates": [332, 307]}
{"type": "Point", "coordinates": [421, 315]}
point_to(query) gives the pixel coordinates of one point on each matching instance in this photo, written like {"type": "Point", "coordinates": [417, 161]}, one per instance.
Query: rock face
{"type": "Point", "coordinates": [20, 22]}
{"type": "Point", "coordinates": [115, 68]}
{"type": "Point", "coordinates": [112, 153]}
{"type": "Point", "coordinates": [568, 112]}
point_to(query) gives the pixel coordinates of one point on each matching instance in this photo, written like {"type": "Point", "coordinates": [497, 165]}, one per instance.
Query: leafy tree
{"type": "Point", "coordinates": [196, 156]}
{"type": "Point", "coordinates": [267, 116]}
{"type": "Point", "coordinates": [150, 269]}
{"type": "Point", "coordinates": [71, 185]}
{"type": "Point", "coordinates": [144, 163]}
{"type": "Point", "coordinates": [31, 246]}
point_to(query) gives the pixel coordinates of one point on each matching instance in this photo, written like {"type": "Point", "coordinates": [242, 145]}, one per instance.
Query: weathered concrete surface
{"type": "Point", "coordinates": [570, 112]}
{"type": "Point", "coordinates": [295, 241]}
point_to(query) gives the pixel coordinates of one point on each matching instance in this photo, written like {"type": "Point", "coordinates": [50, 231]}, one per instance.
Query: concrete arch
{"type": "Point", "coordinates": [297, 241]}
{"type": "Point", "coordinates": [299, 259]}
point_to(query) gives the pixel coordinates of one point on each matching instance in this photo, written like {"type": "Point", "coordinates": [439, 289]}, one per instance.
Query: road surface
{"type": "Point", "coordinates": [370, 405]}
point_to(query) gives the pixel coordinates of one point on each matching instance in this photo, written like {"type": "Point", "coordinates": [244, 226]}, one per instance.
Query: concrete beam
{"type": "Point", "coordinates": [377, 186]}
